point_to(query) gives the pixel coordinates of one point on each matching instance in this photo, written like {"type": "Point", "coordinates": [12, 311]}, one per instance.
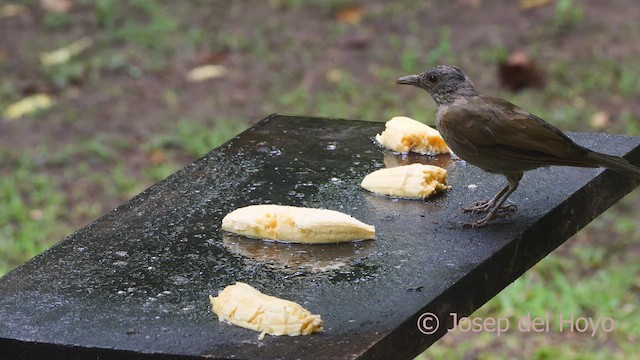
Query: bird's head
{"type": "Point", "coordinates": [442, 82]}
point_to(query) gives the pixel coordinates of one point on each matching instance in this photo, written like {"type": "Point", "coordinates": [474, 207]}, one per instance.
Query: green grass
{"type": "Point", "coordinates": [56, 21]}
{"type": "Point", "coordinates": [197, 139]}
{"type": "Point", "coordinates": [35, 212]}
{"type": "Point", "coordinates": [151, 23]}
{"type": "Point", "coordinates": [189, 139]}
{"type": "Point", "coordinates": [568, 15]}
{"type": "Point", "coordinates": [31, 204]}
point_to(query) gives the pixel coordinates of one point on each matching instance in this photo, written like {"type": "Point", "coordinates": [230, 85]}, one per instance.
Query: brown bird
{"type": "Point", "coordinates": [499, 137]}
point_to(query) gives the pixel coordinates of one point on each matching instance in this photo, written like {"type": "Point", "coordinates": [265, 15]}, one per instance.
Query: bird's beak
{"type": "Point", "coordinates": [408, 80]}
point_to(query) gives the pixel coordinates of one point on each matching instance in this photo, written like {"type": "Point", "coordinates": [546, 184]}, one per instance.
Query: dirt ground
{"type": "Point", "coordinates": [136, 107]}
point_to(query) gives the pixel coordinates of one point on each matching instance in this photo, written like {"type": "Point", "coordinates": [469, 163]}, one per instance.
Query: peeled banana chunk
{"type": "Point", "coordinates": [242, 305]}
{"type": "Point", "coordinates": [416, 181]}
{"type": "Point", "coordinates": [296, 224]}
{"type": "Point", "coordinates": [403, 134]}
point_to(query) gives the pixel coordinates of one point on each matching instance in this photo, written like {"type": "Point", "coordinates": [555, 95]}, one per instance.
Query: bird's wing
{"type": "Point", "coordinates": [486, 122]}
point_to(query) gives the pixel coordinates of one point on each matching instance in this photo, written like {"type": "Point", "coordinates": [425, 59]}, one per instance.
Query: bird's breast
{"type": "Point", "coordinates": [440, 114]}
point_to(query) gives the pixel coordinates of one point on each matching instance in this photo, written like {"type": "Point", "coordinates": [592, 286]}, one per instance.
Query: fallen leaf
{"type": "Point", "coordinates": [11, 10]}
{"type": "Point", "coordinates": [520, 71]}
{"type": "Point", "coordinates": [64, 54]}
{"type": "Point", "coordinates": [28, 105]}
{"type": "Point", "coordinates": [57, 6]}
{"type": "Point", "coordinates": [334, 75]}
{"type": "Point", "coordinates": [532, 4]}
{"type": "Point", "coordinates": [600, 120]}
{"type": "Point", "coordinates": [206, 72]}
{"type": "Point", "coordinates": [351, 14]}
{"type": "Point", "coordinates": [204, 58]}
{"type": "Point", "coordinates": [157, 157]}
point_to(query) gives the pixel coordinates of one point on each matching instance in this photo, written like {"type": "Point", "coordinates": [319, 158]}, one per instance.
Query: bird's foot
{"type": "Point", "coordinates": [474, 224]}
{"type": "Point", "coordinates": [504, 211]}
{"type": "Point", "coordinates": [479, 206]}
{"type": "Point", "coordinates": [485, 206]}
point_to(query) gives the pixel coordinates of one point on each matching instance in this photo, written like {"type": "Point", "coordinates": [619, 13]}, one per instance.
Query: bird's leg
{"type": "Point", "coordinates": [484, 206]}
{"type": "Point", "coordinates": [514, 180]}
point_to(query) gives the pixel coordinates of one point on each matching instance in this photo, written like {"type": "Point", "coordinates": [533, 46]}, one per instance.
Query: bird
{"type": "Point", "coordinates": [500, 137]}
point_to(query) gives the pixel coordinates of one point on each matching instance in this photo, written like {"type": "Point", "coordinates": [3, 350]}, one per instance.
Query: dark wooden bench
{"type": "Point", "coordinates": [134, 283]}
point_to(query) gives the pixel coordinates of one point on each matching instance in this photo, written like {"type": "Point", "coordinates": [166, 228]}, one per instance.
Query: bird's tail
{"type": "Point", "coordinates": [615, 163]}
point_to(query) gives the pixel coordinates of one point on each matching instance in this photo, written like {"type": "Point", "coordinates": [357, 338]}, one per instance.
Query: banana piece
{"type": "Point", "coordinates": [404, 135]}
{"type": "Point", "coordinates": [296, 224]}
{"type": "Point", "coordinates": [416, 181]}
{"type": "Point", "coordinates": [242, 305]}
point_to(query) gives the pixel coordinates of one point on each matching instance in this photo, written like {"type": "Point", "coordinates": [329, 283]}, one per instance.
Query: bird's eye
{"type": "Point", "coordinates": [432, 78]}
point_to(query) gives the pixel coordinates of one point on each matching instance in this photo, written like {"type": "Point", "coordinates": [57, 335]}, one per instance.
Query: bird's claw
{"type": "Point", "coordinates": [478, 206]}
{"type": "Point", "coordinates": [485, 206]}
{"type": "Point", "coordinates": [504, 211]}
{"type": "Point", "coordinates": [473, 224]}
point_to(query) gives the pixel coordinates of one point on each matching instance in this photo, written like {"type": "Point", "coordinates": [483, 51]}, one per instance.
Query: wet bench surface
{"type": "Point", "coordinates": [135, 283]}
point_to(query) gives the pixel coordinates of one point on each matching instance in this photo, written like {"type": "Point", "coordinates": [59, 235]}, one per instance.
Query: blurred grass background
{"type": "Point", "coordinates": [125, 114]}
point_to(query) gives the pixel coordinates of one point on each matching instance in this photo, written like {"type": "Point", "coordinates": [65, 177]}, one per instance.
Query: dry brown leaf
{"type": "Point", "coordinates": [206, 72]}
{"type": "Point", "coordinates": [157, 157]}
{"type": "Point", "coordinates": [57, 6]}
{"type": "Point", "coordinates": [28, 105]}
{"type": "Point", "coordinates": [532, 4]}
{"type": "Point", "coordinates": [204, 58]}
{"type": "Point", "coordinates": [351, 14]}
{"type": "Point", "coordinates": [520, 71]}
